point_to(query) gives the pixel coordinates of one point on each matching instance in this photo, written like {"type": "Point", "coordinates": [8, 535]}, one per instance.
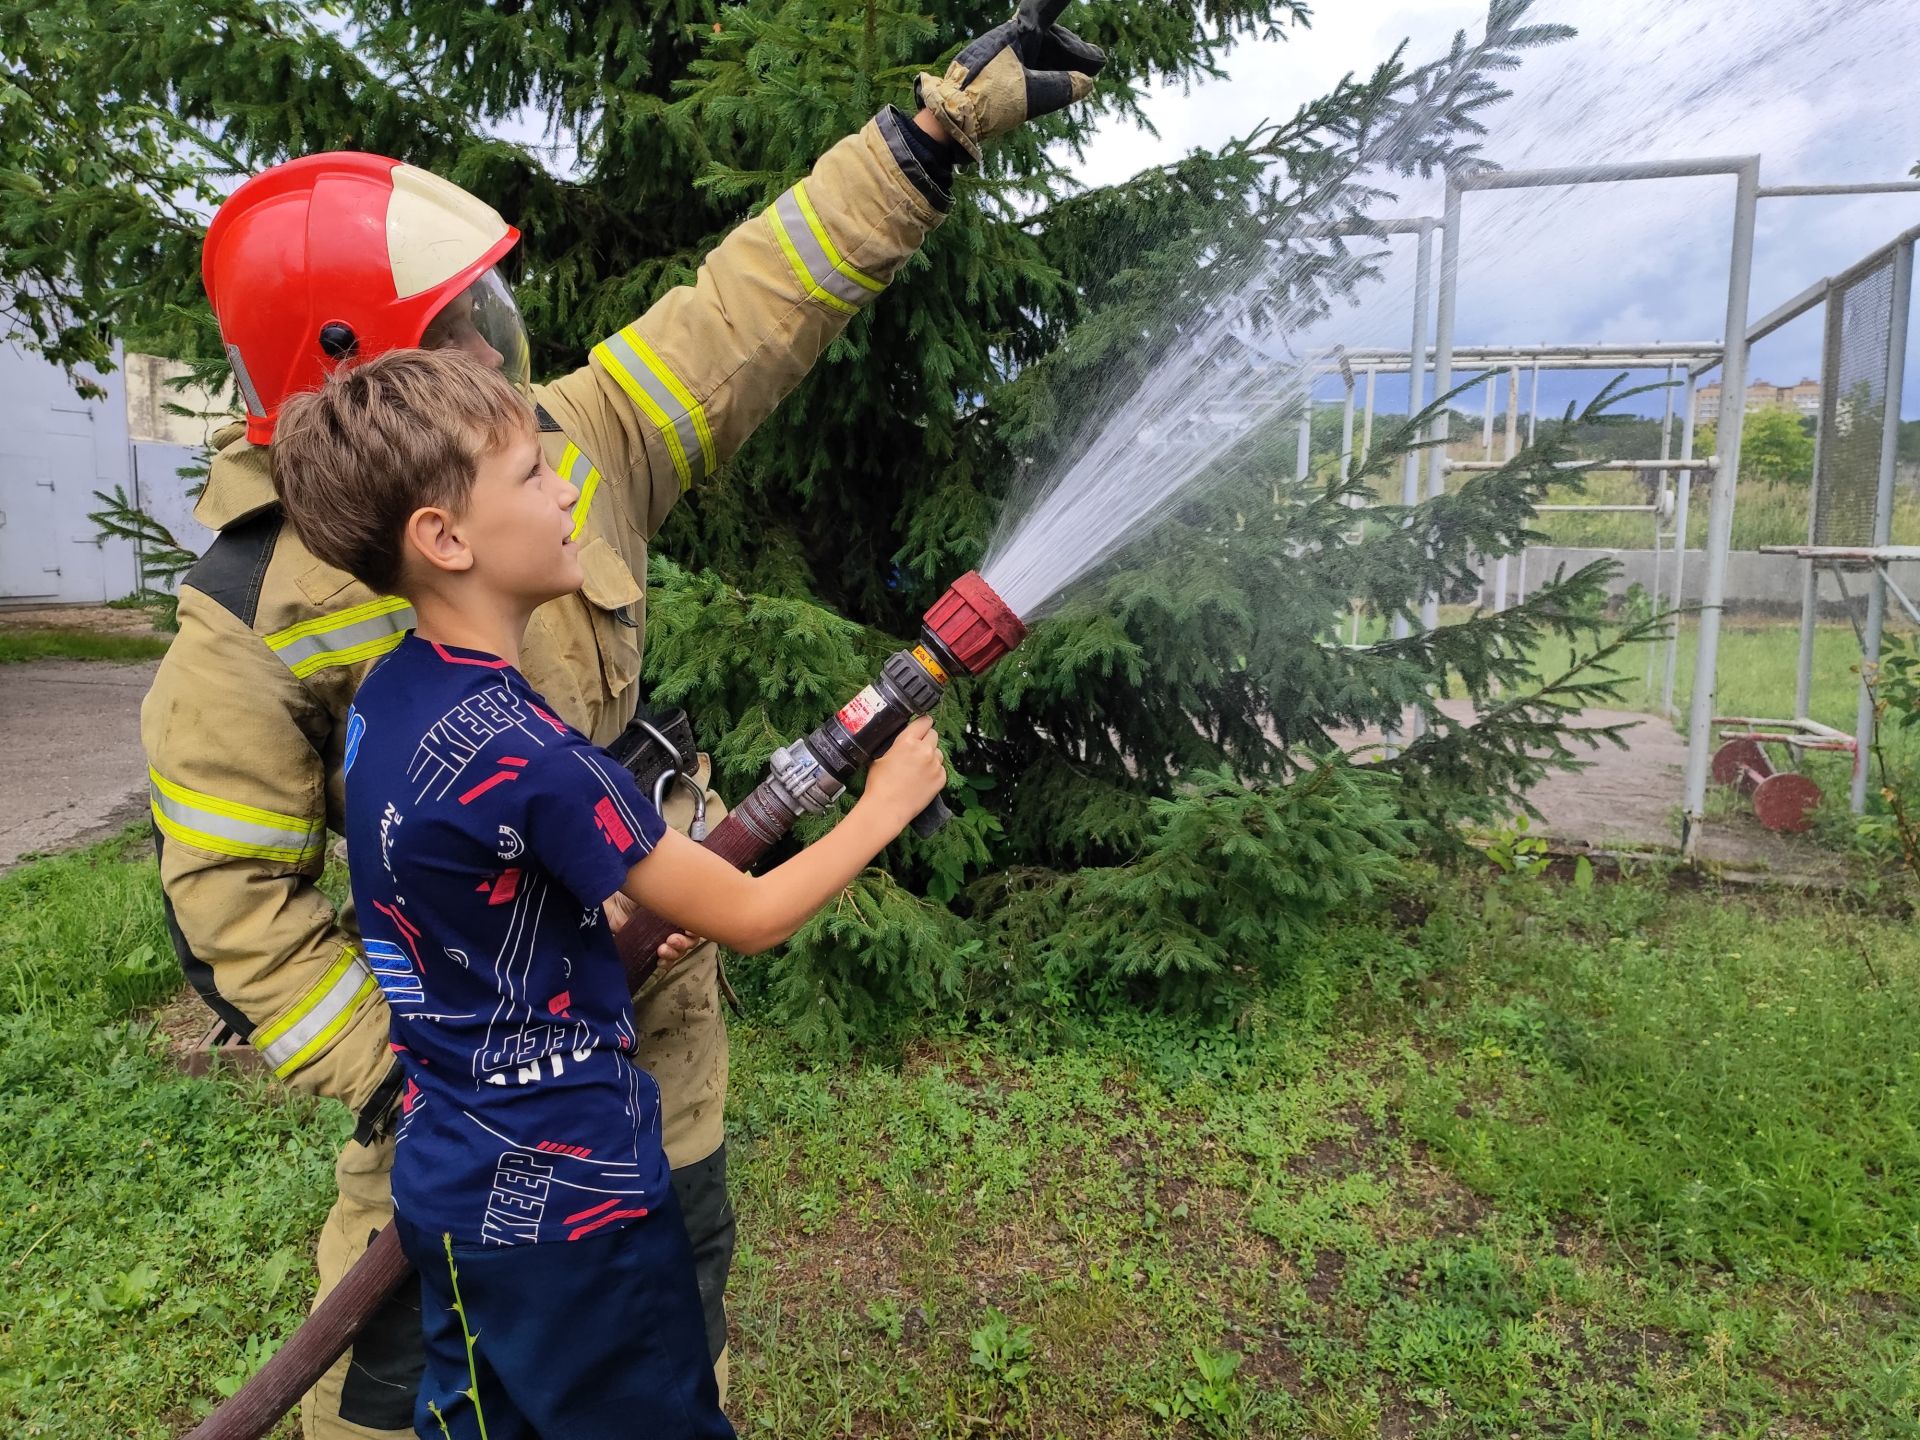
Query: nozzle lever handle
{"type": "Point", "coordinates": [929, 821]}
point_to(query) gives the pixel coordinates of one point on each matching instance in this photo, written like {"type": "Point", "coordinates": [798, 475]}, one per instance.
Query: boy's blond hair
{"type": "Point", "coordinates": [381, 439]}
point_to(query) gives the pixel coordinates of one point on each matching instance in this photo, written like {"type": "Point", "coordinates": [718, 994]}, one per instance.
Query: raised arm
{"type": "Point", "coordinates": [666, 401]}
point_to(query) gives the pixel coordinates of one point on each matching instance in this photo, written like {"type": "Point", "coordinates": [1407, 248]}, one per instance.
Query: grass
{"type": "Point", "coordinates": [22, 645]}
{"type": "Point", "coordinates": [1502, 1159]}
{"type": "Point", "coordinates": [1763, 515]}
{"type": "Point", "coordinates": [155, 1230]}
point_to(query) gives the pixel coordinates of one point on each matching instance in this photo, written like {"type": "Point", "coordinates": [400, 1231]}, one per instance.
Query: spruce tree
{"type": "Point", "coordinates": [1152, 800]}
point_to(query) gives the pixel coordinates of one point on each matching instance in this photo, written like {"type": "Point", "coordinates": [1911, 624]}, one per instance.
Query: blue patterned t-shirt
{"type": "Point", "coordinates": [483, 835]}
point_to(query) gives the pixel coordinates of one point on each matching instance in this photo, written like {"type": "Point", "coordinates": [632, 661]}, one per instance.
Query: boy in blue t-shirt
{"type": "Point", "coordinates": [484, 837]}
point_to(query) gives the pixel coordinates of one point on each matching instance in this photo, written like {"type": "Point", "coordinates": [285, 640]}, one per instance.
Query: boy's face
{"type": "Point", "coordinates": [518, 524]}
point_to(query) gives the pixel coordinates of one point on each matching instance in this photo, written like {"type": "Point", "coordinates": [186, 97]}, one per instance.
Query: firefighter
{"type": "Point", "coordinates": [341, 256]}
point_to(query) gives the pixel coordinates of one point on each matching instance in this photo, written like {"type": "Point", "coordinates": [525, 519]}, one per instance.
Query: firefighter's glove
{"type": "Point", "coordinates": [1013, 73]}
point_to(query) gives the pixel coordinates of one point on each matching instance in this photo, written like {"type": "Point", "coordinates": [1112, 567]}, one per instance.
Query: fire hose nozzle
{"type": "Point", "coordinates": [971, 626]}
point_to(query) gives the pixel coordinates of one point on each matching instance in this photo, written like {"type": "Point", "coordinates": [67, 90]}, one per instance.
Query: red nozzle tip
{"type": "Point", "coordinates": [973, 624]}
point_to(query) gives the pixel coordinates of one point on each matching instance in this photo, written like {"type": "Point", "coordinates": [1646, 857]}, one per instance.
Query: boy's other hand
{"type": "Point", "coordinates": [618, 910]}
{"type": "Point", "coordinates": [908, 776]}
{"type": "Point", "coordinates": [675, 948]}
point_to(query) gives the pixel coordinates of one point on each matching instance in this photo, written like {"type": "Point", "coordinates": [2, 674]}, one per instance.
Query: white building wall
{"type": "Point", "coordinates": [56, 450]}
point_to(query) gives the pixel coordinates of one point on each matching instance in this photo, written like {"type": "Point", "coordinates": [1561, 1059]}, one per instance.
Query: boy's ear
{"type": "Point", "coordinates": [430, 534]}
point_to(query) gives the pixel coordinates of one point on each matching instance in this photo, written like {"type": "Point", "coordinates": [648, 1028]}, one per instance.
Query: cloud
{"type": "Point", "coordinates": [1823, 90]}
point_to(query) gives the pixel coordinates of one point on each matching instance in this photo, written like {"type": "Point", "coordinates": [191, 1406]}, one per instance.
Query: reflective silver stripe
{"type": "Point", "coordinates": [321, 1014]}
{"type": "Point", "coordinates": [815, 261]}
{"type": "Point", "coordinates": [227, 827]}
{"type": "Point", "coordinates": [345, 637]}
{"type": "Point", "coordinates": [664, 399]}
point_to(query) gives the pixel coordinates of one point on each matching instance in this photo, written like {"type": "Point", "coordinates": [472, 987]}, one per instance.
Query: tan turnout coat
{"type": "Point", "coordinates": [245, 723]}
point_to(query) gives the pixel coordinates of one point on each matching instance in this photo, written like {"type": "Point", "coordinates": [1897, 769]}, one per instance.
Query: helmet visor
{"type": "Point", "coordinates": [483, 321]}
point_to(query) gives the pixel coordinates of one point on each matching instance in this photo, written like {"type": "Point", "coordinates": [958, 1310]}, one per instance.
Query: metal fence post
{"type": "Point", "coordinates": [1512, 448]}
{"type": "Point", "coordinates": [1682, 511]}
{"type": "Point", "coordinates": [1416, 382]}
{"type": "Point", "coordinates": [1726, 475]}
{"type": "Point", "coordinates": [1443, 363]}
{"type": "Point", "coordinates": [1883, 514]}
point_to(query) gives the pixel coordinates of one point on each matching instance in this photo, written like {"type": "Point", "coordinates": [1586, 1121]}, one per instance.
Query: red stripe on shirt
{"type": "Point", "coordinates": [453, 659]}
{"type": "Point", "coordinates": [488, 784]}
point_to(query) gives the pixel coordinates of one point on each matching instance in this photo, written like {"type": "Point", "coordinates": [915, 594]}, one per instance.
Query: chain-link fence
{"type": "Point", "coordinates": [1853, 407]}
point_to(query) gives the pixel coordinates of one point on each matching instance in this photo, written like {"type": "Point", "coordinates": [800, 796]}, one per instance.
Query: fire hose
{"type": "Point", "coordinates": [965, 632]}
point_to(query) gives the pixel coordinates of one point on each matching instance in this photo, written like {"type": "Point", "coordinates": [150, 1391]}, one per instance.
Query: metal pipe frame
{"type": "Point", "coordinates": [1602, 174]}
{"type": "Point", "coordinates": [1346, 431]}
{"type": "Point", "coordinates": [1511, 449]}
{"type": "Point", "coordinates": [1416, 390]}
{"type": "Point", "coordinates": [1906, 601]}
{"type": "Point", "coordinates": [1404, 225]}
{"type": "Point", "coordinates": [1666, 453]}
{"type": "Point", "coordinates": [1816, 294]}
{"type": "Point", "coordinates": [1878, 187]}
{"type": "Point", "coordinates": [1810, 579]}
{"type": "Point", "coordinates": [1443, 361]}
{"type": "Point", "coordinates": [1745, 170]}
{"type": "Point", "coordinates": [1861, 555]}
{"type": "Point", "coordinates": [1599, 467]}
{"type": "Point", "coordinates": [1399, 366]}
{"type": "Point", "coordinates": [1653, 509]}
{"type": "Point", "coordinates": [1883, 510]}
{"type": "Point", "coordinates": [1496, 356]}
{"type": "Point", "coordinates": [1682, 505]}
{"type": "Point", "coordinates": [1726, 477]}
{"type": "Point", "coordinates": [1366, 432]}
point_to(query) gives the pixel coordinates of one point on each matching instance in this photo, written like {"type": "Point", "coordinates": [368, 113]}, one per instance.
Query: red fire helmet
{"type": "Point", "coordinates": [346, 256]}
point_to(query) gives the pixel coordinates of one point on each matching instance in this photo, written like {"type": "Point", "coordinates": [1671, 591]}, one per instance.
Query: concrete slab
{"type": "Point", "coordinates": [74, 769]}
{"type": "Point", "coordinates": [1630, 800]}
{"type": "Point", "coordinates": [75, 772]}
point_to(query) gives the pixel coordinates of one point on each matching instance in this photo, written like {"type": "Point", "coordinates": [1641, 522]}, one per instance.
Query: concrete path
{"type": "Point", "coordinates": [72, 770]}
{"type": "Point", "coordinates": [1631, 799]}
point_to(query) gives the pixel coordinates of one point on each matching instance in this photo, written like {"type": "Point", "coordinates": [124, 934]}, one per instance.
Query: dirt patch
{"type": "Point", "coordinates": [101, 619]}
{"type": "Point", "coordinates": [196, 1041]}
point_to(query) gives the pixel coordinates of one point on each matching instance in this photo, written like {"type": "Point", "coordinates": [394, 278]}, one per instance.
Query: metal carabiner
{"type": "Point", "coordinates": [698, 830]}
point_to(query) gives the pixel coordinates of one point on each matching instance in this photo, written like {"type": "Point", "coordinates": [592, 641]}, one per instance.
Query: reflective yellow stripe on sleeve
{"type": "Point", "coordinates": [227, 827]}
{"type": "Point", "coordinates": [319, 1015]}
{"type": "Point", "coordinates": [817, 265]}
{"type": "Point", "coordinates": [579, 472]}
{"type": "Point", "coordinates": [661, 396]}
{"type": "Point", "coordinates": [345, 637]}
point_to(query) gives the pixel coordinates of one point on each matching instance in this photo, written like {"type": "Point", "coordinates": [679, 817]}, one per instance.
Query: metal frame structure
{"type": "Point", "coordinates": [1744, 170]}
{"type": "Point", "coordinates": [1664, 510]}
{"type": "Point", "coordinates": [1685, 364]}
{"type": "Point", "coordinates": [1881, 553]}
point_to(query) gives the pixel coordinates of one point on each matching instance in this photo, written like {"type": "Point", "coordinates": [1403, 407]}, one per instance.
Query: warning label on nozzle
{"type": "Point", "coordinates": [859, 710]}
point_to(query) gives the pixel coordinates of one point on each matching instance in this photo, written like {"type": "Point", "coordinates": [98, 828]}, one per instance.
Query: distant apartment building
{"type": "Point", "coordinates": [1801, 399]}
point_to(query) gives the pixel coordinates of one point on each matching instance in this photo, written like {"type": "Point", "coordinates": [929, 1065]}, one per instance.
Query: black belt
{"type": "Point", "coordinates": [659, 750]}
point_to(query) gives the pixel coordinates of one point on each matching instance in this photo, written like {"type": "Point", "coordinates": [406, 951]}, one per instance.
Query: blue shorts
{"type": "Point", "coordinates": [602, 1337]}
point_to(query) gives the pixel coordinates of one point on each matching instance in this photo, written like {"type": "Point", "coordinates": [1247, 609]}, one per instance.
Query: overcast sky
{"type": "Point", "coordinates": [1827, 91]}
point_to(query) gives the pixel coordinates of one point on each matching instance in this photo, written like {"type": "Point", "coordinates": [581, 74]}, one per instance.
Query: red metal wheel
{"type": "Point", "coordinates": [1786, 801]}
{"type": "Point", "coordinates": [1733, 760]}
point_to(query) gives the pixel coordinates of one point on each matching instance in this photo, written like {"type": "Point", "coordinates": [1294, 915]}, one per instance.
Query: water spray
{"type": "Point", "coordinates": [968, 630]}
